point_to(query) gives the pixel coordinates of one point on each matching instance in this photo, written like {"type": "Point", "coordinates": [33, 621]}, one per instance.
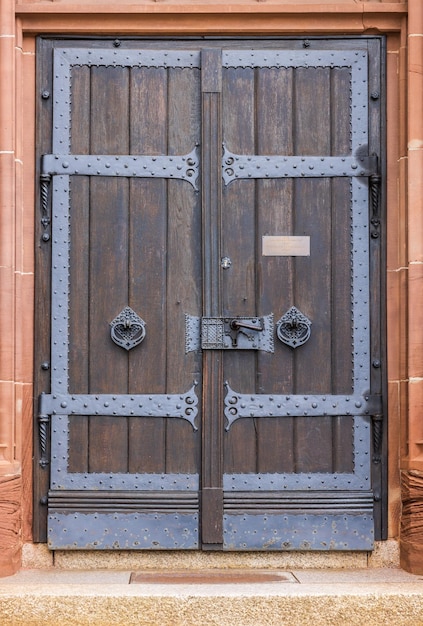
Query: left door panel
{"type": "Point", "coordinates": [120, 232]}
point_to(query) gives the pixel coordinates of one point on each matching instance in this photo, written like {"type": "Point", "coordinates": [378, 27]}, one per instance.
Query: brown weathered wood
{"type": "Point", "coordinates": [42, 299]}
{"type": "Point", "coordinates": [274, 275]}
{"type": "Point", "coordinates": [183, 283]}
{"type": "Point", "coordinates": [147, 231]}
{"type": "Point", "coordinates": [239, 242]}
{"type": "Point", "coordinates": [212, 423]}
{"type": "Point", "coordinates": [108, 266]}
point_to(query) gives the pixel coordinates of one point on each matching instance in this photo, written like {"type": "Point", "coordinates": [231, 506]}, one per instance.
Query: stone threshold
{"type": "Point", "coordinates": [106, 597]}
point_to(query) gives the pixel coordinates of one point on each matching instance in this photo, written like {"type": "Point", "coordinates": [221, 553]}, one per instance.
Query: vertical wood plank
{"type": "Point", "coordinates": [79, 268]}
{"type": "Point", "coordinates": [212, 427]}
{"type": "Point", "coordinates": [239, 243]}
{"type": "Point", "coordinates": [274, 274]}
{"type": "Point", "coordinates": [147, 265]}
{"type": "Point", "coordinates": [108, 265]}
{"type": "Point", "coordinates": [313, 286]}
{"type": "Point", "coordinates": [183, 282]}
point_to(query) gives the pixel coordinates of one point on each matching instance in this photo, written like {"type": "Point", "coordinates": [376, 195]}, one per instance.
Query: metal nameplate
{"type": "Point", "coordinates": [239, 405]}
{"type": "Point", "coordinates": [184, 406]}
{"type": "Point", "coordinates": [184, 167]}
{"type": "Point", "coordinates": [241, 166]}
{"type": "Point", "coordinates": [285, 245]}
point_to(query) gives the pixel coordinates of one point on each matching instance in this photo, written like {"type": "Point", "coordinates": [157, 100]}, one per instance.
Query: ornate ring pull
{"type": "Point", "coordinates": [127, 330]}
{"type": "Point", "coordinates": [293, 328]}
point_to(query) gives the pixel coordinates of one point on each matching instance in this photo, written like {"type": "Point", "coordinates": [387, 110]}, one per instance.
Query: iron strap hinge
{"type": "Point", "coordinates": [239, 166]}
{"type": "Point", "coordinates": [184, 405]}
{"type": "Point", "coordinates": [247, 405]}
{"type": "Point", "coordinates": [183, 167]}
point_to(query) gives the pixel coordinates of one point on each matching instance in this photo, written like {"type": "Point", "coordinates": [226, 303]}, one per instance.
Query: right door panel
{"type": "Point", "coordinates": [300, 174]}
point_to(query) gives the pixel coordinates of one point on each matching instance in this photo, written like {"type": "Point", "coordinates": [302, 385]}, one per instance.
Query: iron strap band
{"type": "Point", "coordinates": [183, 167]}
{"type": "Point", "coordinates": [236, 166]}
{"type": "Point", "coordinates": [239, 405]}
{"type": "Point", "coordinates": [184, 406]}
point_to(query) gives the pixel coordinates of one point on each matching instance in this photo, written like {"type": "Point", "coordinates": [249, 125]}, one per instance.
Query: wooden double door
{"type": "Point", "coordinates": [209, 356]}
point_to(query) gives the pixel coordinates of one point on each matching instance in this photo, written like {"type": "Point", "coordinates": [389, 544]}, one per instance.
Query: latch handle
{"type": "Point", "coordinates": [237, 324]}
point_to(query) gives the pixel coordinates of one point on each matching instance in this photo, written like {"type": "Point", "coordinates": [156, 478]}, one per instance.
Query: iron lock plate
{"type": "Point", "coordinates": [229, 333]}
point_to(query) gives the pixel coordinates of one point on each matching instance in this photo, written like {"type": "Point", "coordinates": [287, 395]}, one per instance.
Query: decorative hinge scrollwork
{"type": "Point", "coordinates": [45, 180]}
{"type": "Point", "coordinates": [374, 184]}
{"type": "Point", "coordinates": [377, 421]}
{"type": "Point", "coordinates": [43, 428]}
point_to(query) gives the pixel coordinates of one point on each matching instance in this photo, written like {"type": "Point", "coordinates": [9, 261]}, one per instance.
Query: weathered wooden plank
{"type": "Point", "coordinates": [108, 265]}
{"type": "Point", "coordinates": [147, 264]}
{"type": "Point", "coordinates": [239, 243]}
{"type": "Point", "coordinates": [183, 282]}
{"type": "Point", "coordinates": [274, 275]}
{"type": "Point", "coordinates": [313, 285]}
{"type": "Point", "coordinates": [212, 427]}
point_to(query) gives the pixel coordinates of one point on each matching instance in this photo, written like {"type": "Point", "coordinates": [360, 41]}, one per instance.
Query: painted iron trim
{"type": "Point", "coordinates": [358, 479]}
{"type": "Point", "coordinates": [290, 531]}
{"type": "Point", "coordinates": [183, 167]}
{"type": "Point", "coordinates": [62, 479]}
{"type": "Point", "coordinates": [183, 406]}
{"type": "Point", "coordinates": [355, 60]}
{"type": "Point", "coordinates": [122, 531]}
{"type": "Point", "coordinates": [245, 405]}
{"type": "Point", "coordinates": [241, 166]}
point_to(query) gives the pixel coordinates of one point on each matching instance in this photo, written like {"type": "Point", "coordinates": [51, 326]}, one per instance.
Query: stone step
{"type": "Point", "coordinates": [261, 597]}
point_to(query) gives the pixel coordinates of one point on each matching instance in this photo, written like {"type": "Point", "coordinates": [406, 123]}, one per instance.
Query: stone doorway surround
{"type": "Point", "coordinates": [20, 23]}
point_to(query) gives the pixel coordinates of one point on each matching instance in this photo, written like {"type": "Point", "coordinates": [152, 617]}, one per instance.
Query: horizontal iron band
{"type": "Point", "coordinates": [296, 531]}
{"type": "Point", "coordinates": [126, 531]}
{"type": "Point", "coordinates": [237, 166]}
{"type": "Point", "coordinates": [122, 501]}
{"type": "Point", "coordinates": [263, 502]}
{"type": "Point", "coordinates": [182, 406]}
{"type": "Point", "coordinates": [185, 167]}
{"type": "Point", "coordinates": [239, 405]}
{"type": "Point", "coordinates": [131, 57]}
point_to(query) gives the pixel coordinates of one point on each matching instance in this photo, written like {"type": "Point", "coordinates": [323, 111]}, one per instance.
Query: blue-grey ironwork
{"type": "Point", "coordinates": [256, 529]}
{"type": "Point", "coordinates": [239, 405]}
{"type": "Point", "coordinates": [67, 529]}
{"type": "Point", "coordinates": [122, 531]}
{"type": "Point", "coordinates": [297, 531]}
{"type": "Point", "coordinates": [229, 333]}
{"type": "Point", "coordinates": [239, 166]}
{"type": "Point", "coordinates": [127, 330]}
{"type": "Point", "coordinates": [293, 328]}
{"type": "Point", "coordinates": [183, 406]}
{"type": "Point", "coordinates": [185, 167]}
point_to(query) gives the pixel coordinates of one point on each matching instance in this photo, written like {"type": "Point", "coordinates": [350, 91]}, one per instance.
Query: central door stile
{"type": "Point", "coordinates": [212, 466]}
